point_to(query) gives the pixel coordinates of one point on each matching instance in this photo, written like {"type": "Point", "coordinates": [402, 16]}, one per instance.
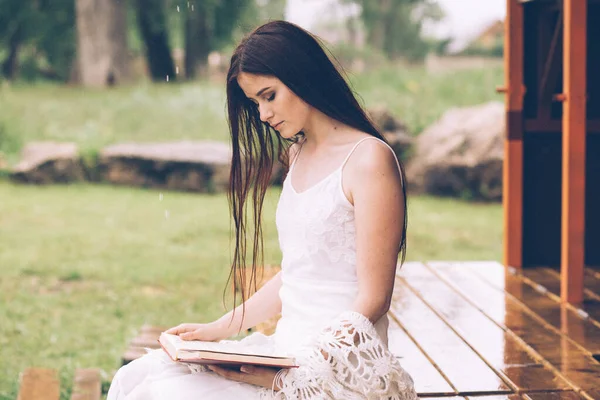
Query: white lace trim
{"type": "Point", "coordinates": [346, 361]}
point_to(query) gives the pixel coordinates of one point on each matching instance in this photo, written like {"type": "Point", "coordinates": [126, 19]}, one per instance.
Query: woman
{"type": "Point", "coordinates": [341, 220]}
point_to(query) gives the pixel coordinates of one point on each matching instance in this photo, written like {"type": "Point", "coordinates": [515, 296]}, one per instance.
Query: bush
{"type": "Point", "coordinates": [349, 56]}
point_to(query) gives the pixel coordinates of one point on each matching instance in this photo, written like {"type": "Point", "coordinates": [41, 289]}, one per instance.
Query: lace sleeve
{"type": "Point", "coordinates": [346, 361]}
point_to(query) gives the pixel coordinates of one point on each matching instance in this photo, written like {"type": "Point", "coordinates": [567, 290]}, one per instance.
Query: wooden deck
{"type": "Point", "coordinates": [475, 330]}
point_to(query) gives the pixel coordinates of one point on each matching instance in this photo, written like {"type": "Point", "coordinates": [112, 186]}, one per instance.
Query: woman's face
{"type": "Point", "coordinates": [277, 104]}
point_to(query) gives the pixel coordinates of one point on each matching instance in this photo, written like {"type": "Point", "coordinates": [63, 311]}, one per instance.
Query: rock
{"type": "Point", "coordinates": [188, 166]}
{"type": "Point", "coordinates": [401, 143]}
{"type": "Point", "coordinates": [385, 121]}
{"type": "Point", "coordinates": [461, 154]}
{"type": "Point", "coordinates": [394, 131]}
{"type": "Point", "coordinates": [49, 162]}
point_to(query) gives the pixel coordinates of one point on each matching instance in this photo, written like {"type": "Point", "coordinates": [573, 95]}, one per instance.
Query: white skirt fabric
{"type": "Point", "coordinates": [156, 377]}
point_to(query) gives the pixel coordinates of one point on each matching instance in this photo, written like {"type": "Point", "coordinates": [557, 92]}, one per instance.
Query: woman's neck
{"type": "Point", "coordinates": [321, 130]}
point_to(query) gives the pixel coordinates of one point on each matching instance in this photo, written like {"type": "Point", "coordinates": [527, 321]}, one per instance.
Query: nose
{"type": "Point", "coordinates": [266, 113]}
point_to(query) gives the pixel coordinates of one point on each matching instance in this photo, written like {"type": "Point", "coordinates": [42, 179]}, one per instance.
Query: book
{"type": "Point", "coordinates": [226, 354]}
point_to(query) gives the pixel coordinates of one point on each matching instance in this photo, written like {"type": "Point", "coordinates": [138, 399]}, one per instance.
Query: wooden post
{"type": "Point", "coordinates": [573, 151]}
{"type": "Point", "coordinates": [512, 187]}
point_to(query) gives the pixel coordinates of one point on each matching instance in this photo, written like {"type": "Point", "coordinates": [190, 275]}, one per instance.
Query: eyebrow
{"type": "Point", "coordinates": [261, 91]}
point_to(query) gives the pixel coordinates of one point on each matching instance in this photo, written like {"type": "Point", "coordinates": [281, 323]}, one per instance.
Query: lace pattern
{"type": "Point", "coordinates": [346, 361]}
{"type": "Point", "coordinates": [326, 232]}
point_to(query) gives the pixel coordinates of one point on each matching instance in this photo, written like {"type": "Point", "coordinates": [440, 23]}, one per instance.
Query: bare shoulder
{"type": "Point", "coordinates": [371, 169]}
{"type": "Point", "coordinates": [373, 157]}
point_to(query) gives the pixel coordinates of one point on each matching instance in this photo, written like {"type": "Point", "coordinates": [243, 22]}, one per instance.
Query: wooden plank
{"type": "Point", "coordinates": [555, 126]}
{"type": "Point", "coordinates": [145, 340]}
{"type": "Point", "coordinates": [569, 395]}
{"type": "Point", "coordinates": [428, 380]}
{"type": "Point", "coordinates": [443, 345]}
{"type": "Point", "coordinates": [549, 279]}
{"type": "Point", "coordinates": [501, 350]}
{"type": "Point", "coordinates": [573, 156]}
{"type": "Point", "coordinates": [39, 384]}
{"type": "Point", "coordinates": [131, 354]}
{"type": "Point", "coordinates": [565, 320]}
{"type": "Point", "coordinates": [497, 397]}
{"type": "Point", "coordinates": [567, 360]}
{"type": "Point", "coordinates": [512, 196]}
{"type": "Point", "coordinates": [443, 398]}
{"type": "Point", "coordinates": [86, 384]}
{"type": "Point", "coordinates": [591, 283]}
{"type": "Point", "coordinates": [148, 329]}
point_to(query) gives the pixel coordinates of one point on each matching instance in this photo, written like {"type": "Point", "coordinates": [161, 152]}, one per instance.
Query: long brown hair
{"type": "Point", "coordinates": [294, 56]}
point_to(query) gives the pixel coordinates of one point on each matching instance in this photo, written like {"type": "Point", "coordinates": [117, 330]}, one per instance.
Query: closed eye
{"type": "Point", "coordinates": [272, 97]}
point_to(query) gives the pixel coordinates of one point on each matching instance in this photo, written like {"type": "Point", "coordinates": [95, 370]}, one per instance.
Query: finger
{"type": "Point", "coordinates": [193, 335]}
{"type": "Point", "coordinates": [176, 330]}
{"type": "Point", "coordinates": [228, 373]}
{"type": "Point", "coordinates": [249, 369]}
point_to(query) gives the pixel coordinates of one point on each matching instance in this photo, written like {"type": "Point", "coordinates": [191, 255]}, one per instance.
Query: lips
{"type": "Point", "coordinates": [277, 125]}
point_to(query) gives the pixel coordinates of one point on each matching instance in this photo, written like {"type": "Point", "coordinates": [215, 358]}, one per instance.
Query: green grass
{"type": "Point", "coordinates": [84, 266]}
{"type": "Point", "coordinates": [163, 112]}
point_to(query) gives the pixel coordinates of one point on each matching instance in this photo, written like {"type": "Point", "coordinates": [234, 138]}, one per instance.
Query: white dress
{"type": "Point", "coordinates": [319, 284]}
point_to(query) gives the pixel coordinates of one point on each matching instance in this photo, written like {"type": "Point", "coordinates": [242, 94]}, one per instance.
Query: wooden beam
{"type": "Point", "coordinates": [573, 151]}
{"type": "Point", "coordinates": [39, 384]}
{"type": "Point", "coordinates": [512, 188]}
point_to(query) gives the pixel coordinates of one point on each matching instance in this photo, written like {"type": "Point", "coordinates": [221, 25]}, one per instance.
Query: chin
{"type": "Point", "coordinates": [285, 133]}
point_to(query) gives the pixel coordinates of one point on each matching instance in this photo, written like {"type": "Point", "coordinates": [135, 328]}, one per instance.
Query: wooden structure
{"type": "Point", "coordinates": [480, 331]}
{"type": "Point", "coordinates": [552, 148]}
{"type": "Point", "coordinates": [44, 384]}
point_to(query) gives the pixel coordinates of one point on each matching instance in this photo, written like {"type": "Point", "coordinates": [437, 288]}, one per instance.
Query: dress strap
{"type": "Point", "coordinates": [376, 138]}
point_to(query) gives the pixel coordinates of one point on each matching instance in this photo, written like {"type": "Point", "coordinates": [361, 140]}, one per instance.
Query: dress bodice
{"type": "Point", "coordinates": [317, 237]}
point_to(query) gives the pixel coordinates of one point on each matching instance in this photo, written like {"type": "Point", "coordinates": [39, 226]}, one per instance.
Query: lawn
{"type": "Point", "coordinates": [196, 111]}
{"type": "Point", "coordinates": [84, 266]}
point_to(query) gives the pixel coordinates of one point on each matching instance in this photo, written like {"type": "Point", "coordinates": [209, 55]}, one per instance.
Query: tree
{"type": "Point", "coordinates": [102, 51]}
{"type": "Point", "coordinates": [211, 25]}
{"type": "Point", "coordinates": [395, 26]}
{"type": "Point", "coordinates": [154, 30]}
{"type": "Point", "coordinates": [39, 34]}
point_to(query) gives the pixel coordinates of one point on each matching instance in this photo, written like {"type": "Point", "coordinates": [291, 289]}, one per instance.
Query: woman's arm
{"type": "Point", "coordinates": [376, 190]}
{"type": "Point", "coordinates": [264, 304]}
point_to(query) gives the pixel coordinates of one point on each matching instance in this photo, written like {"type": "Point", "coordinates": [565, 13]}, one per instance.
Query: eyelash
{"type": "Point", "coordinates": [269, 99]}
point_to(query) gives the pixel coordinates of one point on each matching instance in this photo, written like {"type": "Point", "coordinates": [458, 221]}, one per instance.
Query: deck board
{"type": "Point", "coordinates": [445, 347]}
{"type": "Point", "coordinates": [566, 320]}
{"type": "Point", "coordinates": [568, 360]}
{"type": "Point", "coordinates": [511, 360]}
{"type": "Point", "coordinates": [428, 380]}
{"type": "Point", "coordinates": [550, 280]}
{"type": "Point", "coordinates": [569, 395]}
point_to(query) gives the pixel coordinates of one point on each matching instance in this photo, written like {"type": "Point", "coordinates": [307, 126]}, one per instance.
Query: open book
{"type": "Point", "coordinates": [199, 352]}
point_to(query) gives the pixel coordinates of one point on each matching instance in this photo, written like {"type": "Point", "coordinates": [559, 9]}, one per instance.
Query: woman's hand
{"type": "Point", "coordinates": [259, 376]}
{"type": "Point", "coordinates": [210, 332]}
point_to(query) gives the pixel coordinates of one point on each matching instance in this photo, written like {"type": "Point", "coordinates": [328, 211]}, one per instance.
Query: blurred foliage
{"type": "Point", "coordinates": [395, 26]}
{"type": "Point", "coordinates": [38, 38]}
{"type": "Point", "coordinates": [43, 34]}
{"type": "Point", "coordinates": [478, 49]}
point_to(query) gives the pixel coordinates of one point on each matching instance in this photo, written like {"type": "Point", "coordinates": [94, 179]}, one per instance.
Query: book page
{"type": "Point", "coordinates": [231, 347]}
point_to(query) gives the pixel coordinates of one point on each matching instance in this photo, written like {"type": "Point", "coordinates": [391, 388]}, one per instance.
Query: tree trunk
{"type": "Point", "coordinates": [153, 27]}
{"type": "Point", "coordinates": [103, 57]}
{"type": "Point", "coordinates": [10, 66]}
{"type": "Point", "coordinates": [197, 42]}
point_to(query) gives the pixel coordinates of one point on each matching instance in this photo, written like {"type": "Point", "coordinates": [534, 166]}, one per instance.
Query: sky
{"type": "Point", "coordinates": [464, 18]}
